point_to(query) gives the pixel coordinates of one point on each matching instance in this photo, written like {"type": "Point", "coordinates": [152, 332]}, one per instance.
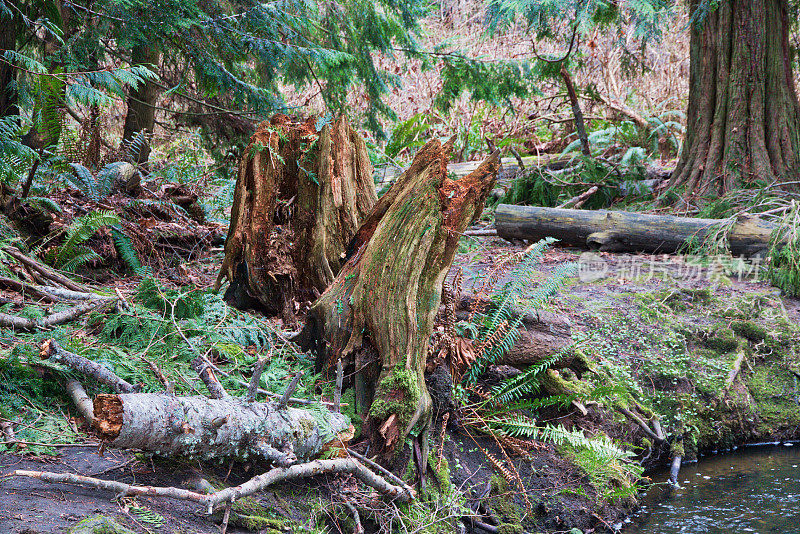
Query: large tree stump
{"type": "Point", "coordinates": [378, 315]}
{"type": "Point", "coordinates": [302, 192]}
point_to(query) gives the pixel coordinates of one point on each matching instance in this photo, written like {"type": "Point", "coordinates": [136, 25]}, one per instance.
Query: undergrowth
{"type": "Point", "coordinates": [508, 410]}
{"type": "Point", "coordinates": [162, 332]}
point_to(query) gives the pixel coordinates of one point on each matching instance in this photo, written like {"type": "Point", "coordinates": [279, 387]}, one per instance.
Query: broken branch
{"type": "Point", "coordinates": [45, 271]}
{"type": "Point", "coordinates": [51, 349]}
{"type": "Point", "coordinates": [27, 323]}
{"type": "Point", "coordinates": [229, 495]}
{"type": "Point", "coordinates": [206, 373]}
{"type": "Point", "coordinates": [81, 400]}
{"type": "Point", "coordinates": [289, 390]}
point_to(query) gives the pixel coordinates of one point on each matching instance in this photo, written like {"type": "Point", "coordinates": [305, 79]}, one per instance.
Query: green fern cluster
{"type": "Point", "coordinates": [99, 187]}
{"type": "Point", "coordinates": [511, 303]}
{"type": "Point", "coordinates": [73, 253]}
{"type": "Point", "coordinates": [15, 157]}
{"type": "Point", "coordinates": [783, 268]}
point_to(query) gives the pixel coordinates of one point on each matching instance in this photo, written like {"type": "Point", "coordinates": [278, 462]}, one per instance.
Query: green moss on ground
{"type": "Point", "coordinates": [99, 525]}
{"type": "Point", "coordinates": [501, 502]}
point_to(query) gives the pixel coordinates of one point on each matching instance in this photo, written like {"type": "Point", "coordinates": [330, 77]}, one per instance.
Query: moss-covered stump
{"type": "Point", "coordinates": [378, 314]}
{"type": "Point", "coordinates": [303, 190]}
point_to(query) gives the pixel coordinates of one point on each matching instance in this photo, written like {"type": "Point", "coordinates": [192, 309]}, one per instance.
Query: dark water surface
{"type": "Point", "coordinates": [755, 489]}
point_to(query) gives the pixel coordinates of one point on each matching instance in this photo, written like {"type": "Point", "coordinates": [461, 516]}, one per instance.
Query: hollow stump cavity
{"type": "Point", "coordinates": [303, 189]}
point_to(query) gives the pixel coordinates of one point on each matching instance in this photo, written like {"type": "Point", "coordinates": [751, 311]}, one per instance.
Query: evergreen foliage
{"type": "Point", "coordinates": [240, 55]}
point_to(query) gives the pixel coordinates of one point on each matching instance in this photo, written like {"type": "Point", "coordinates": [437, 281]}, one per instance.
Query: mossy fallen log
{"type": "Point", "coordinates": [199, 427]}
{"type": "Point", "coordinates": [621, 231]}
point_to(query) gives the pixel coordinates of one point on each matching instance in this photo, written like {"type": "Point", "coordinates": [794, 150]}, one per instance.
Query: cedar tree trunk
{"type": "Point", "coordinates": [742, 122]}
{"type": "Point", "coordinates": [141, 103]}
{"type": "Point", "coordinates": [301, 195]}
{"type": "Point", "coordinates": [379, 313]}
{"type": "Point", "coordinates": [8, 41]}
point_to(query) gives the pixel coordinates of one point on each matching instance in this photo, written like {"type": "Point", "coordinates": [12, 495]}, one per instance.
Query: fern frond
{"type": "Point", "coordinates": [79, 257]}
{"type": "Point", "coordinates": [125, 250]}
{"type": "Point", "coordinates": [78, 233]}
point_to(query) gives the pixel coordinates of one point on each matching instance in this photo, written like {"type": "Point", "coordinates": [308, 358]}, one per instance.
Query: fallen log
{"type": "Point", "coordinates": [200, 427]}
{"type": "Point", "coordinates": [541, 335]}
{"type": "Point", "coordinates": [621, 231]}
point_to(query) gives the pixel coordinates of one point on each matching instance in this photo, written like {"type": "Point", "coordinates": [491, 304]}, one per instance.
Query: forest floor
{"type": "Point", "coordinates": [666, 331]}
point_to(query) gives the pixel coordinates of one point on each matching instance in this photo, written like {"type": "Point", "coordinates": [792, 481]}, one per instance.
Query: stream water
{"type": "Point", "coordinates": [754, 489]}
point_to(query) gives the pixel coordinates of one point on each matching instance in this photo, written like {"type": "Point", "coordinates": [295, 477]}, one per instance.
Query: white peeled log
{"type": "Point", "coordinates": [204, 428]}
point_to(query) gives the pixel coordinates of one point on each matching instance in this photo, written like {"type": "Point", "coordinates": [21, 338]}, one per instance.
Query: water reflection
{"type": "Point", "coordinates": [756, 489]}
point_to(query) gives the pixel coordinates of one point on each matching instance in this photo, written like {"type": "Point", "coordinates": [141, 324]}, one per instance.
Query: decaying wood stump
{"type": "Point", "coordinates": [378, 314]}
{"type": "Point", "coordinates": [302, 192]}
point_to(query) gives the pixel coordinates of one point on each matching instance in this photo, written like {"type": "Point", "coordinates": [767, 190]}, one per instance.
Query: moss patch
{"type": "Point", "coordinates": [398, 393]}
{"type": "Point", "coordinates": [501, 501]}
{"type": "Point", "coordinates": [99, 525]}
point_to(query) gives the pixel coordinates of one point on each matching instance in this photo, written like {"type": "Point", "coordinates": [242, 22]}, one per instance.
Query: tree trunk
{"type": "Point", "coordinates": [141, 104]}
{"type": "Point", "coordinates": [743, 121]}
{"type": "Point", "coordinates": [379, 313]}
{"type": "Point", "coordinates": [8, 41]}
{"type": "Point", "coordinates": [623, 231]}
{"type": "Point", "coordinates": [300, 197]}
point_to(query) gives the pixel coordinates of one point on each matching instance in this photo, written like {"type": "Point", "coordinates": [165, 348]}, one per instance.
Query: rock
{"type": "Point", "coordinates": [99, 525]}
{"type": "Point", "coordinates": [440, 387]}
